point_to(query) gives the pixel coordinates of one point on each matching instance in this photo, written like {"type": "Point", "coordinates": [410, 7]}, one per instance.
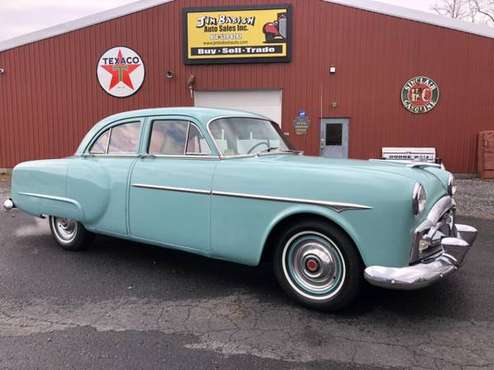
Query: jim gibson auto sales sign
{"type": "Point", "coordinates": [237, 35]}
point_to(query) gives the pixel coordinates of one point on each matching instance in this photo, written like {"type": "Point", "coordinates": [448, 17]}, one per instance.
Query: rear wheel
{"type": "Point", "coordinates": [70, 234]}
{"type": "Point", "coordinates": [318, 265]}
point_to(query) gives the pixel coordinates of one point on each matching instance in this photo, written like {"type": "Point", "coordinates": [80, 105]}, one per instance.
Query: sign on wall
{"type": "Point", "coordinates": [301, 123]}
{"type": "Point", "coordinates": [420, 94]}
{"type": "Point", "coordinates": [237, 34]}
{"type": "Point", "coordinates": [120, 71]}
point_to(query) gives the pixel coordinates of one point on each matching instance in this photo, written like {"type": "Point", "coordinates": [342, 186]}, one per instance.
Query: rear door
{"type": "Point", "coordinates": [170, 185]}
{"type": "Point", "coordinates": [99, 181]}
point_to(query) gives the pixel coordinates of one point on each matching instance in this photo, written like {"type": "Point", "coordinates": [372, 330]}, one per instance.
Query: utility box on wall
{"type": "Point", "coordinates": [486, 155]}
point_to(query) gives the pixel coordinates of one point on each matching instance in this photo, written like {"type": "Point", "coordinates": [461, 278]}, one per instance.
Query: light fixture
{"type": "Point", "coordinates": [170, 75]}
{"type": "Point", "coordinates": [332, 69]}
{"type": "Point", "coordinates": [2, 71]}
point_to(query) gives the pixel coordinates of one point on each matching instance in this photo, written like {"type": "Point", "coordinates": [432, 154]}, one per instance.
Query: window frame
{"type": "Point", "coordinates": [109, 129]}
{"type": "Point", "coordinates": [276, 126]}
{"type": "Point", "coordinates": [185, 154]}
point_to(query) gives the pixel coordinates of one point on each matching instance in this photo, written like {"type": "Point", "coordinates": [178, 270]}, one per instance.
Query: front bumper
{"type": "Point", "coordinates": [449, 256]}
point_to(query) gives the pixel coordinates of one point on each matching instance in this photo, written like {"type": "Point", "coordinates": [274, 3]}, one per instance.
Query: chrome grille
{"type": "Point", "coordinates": [440, 223]}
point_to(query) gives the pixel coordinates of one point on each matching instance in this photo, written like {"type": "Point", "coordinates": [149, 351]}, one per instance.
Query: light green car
{"type": "Point", "coordinates": [228, 185]}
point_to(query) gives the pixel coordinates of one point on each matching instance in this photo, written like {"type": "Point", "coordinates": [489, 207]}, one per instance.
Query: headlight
{"type": "Point", "coordinates": [451, 185]}
{"type": "Point", "coordinates": [419, 198]}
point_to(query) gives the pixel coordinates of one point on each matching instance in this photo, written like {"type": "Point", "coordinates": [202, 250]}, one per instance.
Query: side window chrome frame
{"type": "Point", "coordinates": [109, 129]}
{"type": "Point", "coordinates": [238, 156]}
{"type": "Point", "coordinates": [185, 155]}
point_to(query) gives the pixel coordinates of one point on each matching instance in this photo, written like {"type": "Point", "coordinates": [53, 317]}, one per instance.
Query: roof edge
{"type": "Point", "coordinates": [80, 23]}
{"type": "Point", "coordinates": [418, 16]}
{"type": "Point", "coordinates": [371, 6]}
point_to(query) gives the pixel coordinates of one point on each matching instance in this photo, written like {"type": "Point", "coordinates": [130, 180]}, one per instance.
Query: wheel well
{"type": "Point", "coordinates": [276, 231]}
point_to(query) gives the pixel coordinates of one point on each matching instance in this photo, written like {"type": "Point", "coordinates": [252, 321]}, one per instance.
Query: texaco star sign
{"type": "Point", "coordinates": [120, 71]}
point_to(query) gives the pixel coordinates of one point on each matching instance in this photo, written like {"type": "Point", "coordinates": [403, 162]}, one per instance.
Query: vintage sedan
{"type": "Point", "coordinates": [229, 185]}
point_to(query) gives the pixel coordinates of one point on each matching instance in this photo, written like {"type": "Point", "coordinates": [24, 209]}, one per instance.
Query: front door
{"type": "Point", "coordinates": [334, 137]}
{"type": "Point", "coordinates": [170, 186]}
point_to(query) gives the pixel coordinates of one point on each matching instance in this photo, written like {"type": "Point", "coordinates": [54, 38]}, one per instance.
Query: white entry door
{"type": "Point", "coordinates": [334, 137]}
{"type": "Point", "coordinates": [265, 102]}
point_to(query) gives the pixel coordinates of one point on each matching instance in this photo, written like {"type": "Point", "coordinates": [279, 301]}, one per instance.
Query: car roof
{"type": "Point", "coordinates": [199, 114]}
{"type": "Point", "coordinates": [203, 115]}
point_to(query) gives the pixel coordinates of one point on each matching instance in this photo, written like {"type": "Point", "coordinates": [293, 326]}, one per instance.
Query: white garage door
{"type": "Point", "coordinates": [265, 102]}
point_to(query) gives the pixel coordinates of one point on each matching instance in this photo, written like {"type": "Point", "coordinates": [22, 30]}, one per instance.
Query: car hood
{"type": "Point", "coordinates": [433, 179]}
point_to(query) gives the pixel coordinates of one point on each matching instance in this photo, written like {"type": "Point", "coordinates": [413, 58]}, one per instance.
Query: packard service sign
{"type": "Point", "coordinates": [120, 71]}
{"type": "Point", "coordinates": [420, 94]}
{"type": "Point", "coordinates": [237, 35]}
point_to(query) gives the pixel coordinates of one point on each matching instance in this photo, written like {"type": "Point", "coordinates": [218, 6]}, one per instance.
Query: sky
{"type": "Point", "coordinates": [18, 17]}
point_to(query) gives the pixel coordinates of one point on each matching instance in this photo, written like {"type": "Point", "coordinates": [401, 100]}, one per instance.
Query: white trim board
{"type": "Point", "coordinates": [368, 5]}
{"type": "Point", "coordinates": [80, 23]}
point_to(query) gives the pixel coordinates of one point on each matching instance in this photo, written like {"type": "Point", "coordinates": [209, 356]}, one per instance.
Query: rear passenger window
{"type": "Point", "coordinates": [168, 137]}
{"type": "Point", "coordinates": [100, 145]}
{"type": "Point", "coordinates": [124, 138]}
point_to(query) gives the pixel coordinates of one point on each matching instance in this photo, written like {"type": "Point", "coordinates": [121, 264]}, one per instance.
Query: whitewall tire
{"type": "Point", "coordinates": [318, 265]}
{"type": "Point", "coordinates": [69, 234]}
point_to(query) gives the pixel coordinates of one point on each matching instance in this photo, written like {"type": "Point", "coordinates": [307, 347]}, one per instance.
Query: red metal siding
{"type": "Point", "coordinates": [50, 96]}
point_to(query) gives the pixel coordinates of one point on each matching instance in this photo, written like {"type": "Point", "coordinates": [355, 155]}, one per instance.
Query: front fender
{"type": "Point", "coordinates": [331, 215]}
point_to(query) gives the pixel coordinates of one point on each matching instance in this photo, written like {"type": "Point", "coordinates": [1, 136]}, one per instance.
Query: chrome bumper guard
{"type": "Point", "coordinates": [8, 204]}
{"type": "Point", "coordinates": [448, 259]}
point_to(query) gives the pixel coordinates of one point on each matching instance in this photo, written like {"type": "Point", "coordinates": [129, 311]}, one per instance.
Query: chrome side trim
{"type": "Point", "coordinates": [115, 155]}
{"type": "Point", "coordinates": [178, 156]}
{"type": "Point", "coordinates": [336, 206]}
{"type": "Point", "coordinates": [171, 188]}
{"type": "Point", "coordinates": [51, 197]}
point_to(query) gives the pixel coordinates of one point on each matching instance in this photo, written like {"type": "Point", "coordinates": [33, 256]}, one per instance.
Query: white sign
{"type": "Point", "coordinates": [410, 154]}
{"type": "Point", "coordinates": [120, 71]}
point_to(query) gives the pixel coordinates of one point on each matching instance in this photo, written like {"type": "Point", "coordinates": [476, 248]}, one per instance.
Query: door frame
{"type": "Point", "coordinates": [345, 139]}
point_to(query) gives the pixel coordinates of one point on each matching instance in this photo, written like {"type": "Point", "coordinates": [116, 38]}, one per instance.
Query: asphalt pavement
{"type": "Point", "coordinates": [123, 305]}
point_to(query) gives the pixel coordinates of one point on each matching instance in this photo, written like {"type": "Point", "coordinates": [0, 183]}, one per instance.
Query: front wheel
{"type": "Point", "coordinates": [70, 234]}
{"type": "Point", "coordinates": [318, 265]}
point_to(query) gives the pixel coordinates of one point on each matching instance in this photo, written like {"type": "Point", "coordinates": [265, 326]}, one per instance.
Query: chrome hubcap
{"type": "Point", "coordinates": [314, 265]}
{"type": "Point", "coordinates": [65, 228]}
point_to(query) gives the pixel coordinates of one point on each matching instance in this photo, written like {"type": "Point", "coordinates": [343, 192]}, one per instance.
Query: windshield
{"type": "Point", "coordinates": [243, 136]}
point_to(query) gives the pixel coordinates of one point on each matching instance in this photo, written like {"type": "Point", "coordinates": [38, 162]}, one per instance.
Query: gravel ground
{"type": "Point", "coordinates": [475, 198]}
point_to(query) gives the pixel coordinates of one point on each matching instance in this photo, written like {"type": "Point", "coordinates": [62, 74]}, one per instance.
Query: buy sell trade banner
{"type": "Point", "coordinates": [237, 35]}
